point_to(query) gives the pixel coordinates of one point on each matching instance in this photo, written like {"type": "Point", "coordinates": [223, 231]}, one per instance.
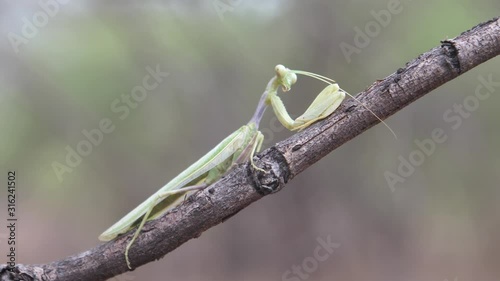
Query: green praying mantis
{"type": "Point", "coordinates": [238, 147]}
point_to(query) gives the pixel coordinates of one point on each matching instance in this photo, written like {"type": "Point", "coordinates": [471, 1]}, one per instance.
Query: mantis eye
{"type": "Point", "coordinates": [280, 70]}
{"type": "Point", "coordinates": [292, 78]}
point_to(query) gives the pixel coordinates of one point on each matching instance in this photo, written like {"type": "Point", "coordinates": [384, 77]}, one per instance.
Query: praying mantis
{"type": "Point", "coordinates": [239, 147]}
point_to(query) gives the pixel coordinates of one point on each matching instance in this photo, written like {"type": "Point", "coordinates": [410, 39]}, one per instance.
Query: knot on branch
{"type": "Point", "coordinates": [451, 52]}
{"type": "Point", "coordinates": [277, 172]}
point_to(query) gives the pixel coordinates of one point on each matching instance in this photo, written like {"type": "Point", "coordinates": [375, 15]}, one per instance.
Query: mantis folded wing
{"type": "Point", "coordinates": [238, 147]}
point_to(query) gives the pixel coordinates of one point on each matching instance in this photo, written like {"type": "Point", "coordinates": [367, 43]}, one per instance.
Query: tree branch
{"type": "Point", "coordinates": [242, 186]}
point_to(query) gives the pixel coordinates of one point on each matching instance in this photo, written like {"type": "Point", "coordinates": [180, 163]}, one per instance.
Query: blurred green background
{"type": "Point", "coordinates": [63, 77]}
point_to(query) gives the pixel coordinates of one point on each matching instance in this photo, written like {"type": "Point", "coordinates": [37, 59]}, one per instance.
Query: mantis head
{"type": "Point", "coordinates": [285, 77]}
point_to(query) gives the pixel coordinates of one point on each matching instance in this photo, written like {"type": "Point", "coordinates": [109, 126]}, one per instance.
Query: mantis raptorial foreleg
{"type": "Point", "coordinates": [237, 148]}
{"type": "Point", "coordinates": [323, 105]}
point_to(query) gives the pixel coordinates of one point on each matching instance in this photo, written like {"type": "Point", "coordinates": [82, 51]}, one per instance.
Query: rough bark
{"type": "Point", "coordinates": [242, 186]}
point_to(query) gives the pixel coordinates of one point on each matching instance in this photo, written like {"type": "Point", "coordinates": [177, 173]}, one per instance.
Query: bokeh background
{"type": "Point", "coordinates": [441, 223]}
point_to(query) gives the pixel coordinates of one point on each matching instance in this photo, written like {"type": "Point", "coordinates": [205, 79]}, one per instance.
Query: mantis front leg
{"type": "Point", "coordinates": [323, 105]}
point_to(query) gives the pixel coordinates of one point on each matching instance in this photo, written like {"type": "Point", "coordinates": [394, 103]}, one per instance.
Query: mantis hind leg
{"type": "Point", "coordinates": [159, 197]}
